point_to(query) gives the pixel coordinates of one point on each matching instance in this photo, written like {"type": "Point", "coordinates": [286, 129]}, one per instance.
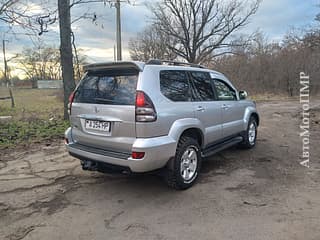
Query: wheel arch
{"type": "Point", "coordinates": [249, 112]}
{"type": "Point", "coordinates": [187, 126]}
{"type": "Point", "coordinates": [195, 133]}
{"type": "Point", "coordinates": [256, 116]}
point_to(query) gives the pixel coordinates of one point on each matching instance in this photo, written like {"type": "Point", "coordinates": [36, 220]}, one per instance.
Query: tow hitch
{"type": "Point", "coordinates": [89, 165]}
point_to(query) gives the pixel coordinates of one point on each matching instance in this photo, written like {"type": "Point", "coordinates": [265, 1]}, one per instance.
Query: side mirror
{"type": "Point", "coordinates": [243, 95]}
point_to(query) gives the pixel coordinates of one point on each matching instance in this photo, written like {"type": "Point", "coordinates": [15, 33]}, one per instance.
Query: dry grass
{"type": "Point", "coordinates": [38, 115]}
{"type": "Point", "coordinates": [44, 103]}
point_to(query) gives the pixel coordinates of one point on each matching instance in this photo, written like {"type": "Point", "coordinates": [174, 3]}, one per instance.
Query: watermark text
{"type": "Point", "coordinates": [305, 123]}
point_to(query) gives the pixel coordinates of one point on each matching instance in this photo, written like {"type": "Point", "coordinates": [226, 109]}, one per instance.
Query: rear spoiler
{"type": "Point", "coordinates": [114, 65]}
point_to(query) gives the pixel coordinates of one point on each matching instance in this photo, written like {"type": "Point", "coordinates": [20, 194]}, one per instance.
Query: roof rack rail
{"type": "Point", "coordinates": [172, 63]}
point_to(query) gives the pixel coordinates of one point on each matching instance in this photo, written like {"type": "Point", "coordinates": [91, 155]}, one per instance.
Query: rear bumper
{"type": "Point", "coordinates": [157, 150]}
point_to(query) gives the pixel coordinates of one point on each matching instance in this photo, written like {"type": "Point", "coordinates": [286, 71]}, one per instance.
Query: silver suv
{"type": "Point", "coordinates": [135, 117]}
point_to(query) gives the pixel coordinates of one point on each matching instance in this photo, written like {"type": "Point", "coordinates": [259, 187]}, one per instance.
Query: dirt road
{"type": "Point", "coordinates": [261, 193]}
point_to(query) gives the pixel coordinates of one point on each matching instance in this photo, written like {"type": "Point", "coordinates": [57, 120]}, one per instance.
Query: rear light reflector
{"type": "Point", "coordinates": [137, 155]}
{"type": "Point", "coordinates": [145, 110]}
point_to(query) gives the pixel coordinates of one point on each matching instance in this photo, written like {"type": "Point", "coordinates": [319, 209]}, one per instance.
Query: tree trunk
{"type": "Point", "coordinates": [66, 52]}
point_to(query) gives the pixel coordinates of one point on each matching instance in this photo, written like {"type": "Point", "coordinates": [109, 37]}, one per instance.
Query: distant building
{"type": "Point", "coordinates": [45, 84]}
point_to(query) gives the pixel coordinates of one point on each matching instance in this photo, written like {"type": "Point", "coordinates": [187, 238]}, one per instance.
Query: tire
{"type": "Point", "coordinates": [250, 136]}
{"type": "Point", "coordinates": [182, 171]}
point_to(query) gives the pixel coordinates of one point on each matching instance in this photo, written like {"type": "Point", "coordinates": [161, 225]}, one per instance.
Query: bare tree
{"type": "Point", "coordinates": [151, 44]}
{"type": "Point", "coordinates": [273, 68]}
{"type": "Point", "coordinates": [201, 27]}
{"type": "Point", "coordinates": [40, 63]}
{"type": "Point", "coordinates": [67, 41]}
{"type": "Point", "coordinates": [66, 52]}
{"type": "Point", "coordinates": [317, 18]}
{"type": "Point", "coordinates": [15, 12]}
{"type": "Point", "coordinates": [18, 13]}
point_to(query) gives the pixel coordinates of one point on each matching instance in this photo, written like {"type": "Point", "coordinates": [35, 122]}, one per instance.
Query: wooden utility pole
{"type": "Point", "coordinates": [66, 52]}
{"type": "Point", "coordinates": [6, 71]}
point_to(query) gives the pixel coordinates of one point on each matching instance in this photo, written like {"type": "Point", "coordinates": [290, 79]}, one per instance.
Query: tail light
{"type": "Point", "coordinates": [145, 111]}
{"type": "Point", "coordinates": [71, 97]}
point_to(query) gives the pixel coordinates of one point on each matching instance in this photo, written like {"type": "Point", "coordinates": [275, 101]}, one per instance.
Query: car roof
{"type": "Point", "coordinates": [156, 64]}
{"type": "Point", "coordinates": [140, 66]}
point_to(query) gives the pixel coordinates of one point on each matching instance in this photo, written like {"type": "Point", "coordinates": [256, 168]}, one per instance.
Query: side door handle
{"type": "Point", "coordinates": [225, 106]}
{"type": "Point", "coordinates": [200, 109]}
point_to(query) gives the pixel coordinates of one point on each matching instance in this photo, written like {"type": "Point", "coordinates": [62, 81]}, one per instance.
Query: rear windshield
{"type": "Point", "coordinates": [112, 88]}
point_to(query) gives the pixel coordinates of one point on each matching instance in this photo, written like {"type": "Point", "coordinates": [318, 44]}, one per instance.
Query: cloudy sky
{"type": "Point", "coordinates": [274, 18]}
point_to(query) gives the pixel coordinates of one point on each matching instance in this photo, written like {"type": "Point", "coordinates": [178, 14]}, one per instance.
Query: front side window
{"type": "Point", "coordinates": [224, 91]}
{"type": "Point", "coordinates": [202, 85]}
{"type": "Point", "coordinates": [175, 85]}
{"type": "Point", "coordinates": [107, 88]}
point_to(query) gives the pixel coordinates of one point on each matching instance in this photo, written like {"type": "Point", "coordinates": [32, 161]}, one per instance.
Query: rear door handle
{"type": "Point", "coordinates": [200, 109]}
{"type": "Point", "coordinates": [225, 106]}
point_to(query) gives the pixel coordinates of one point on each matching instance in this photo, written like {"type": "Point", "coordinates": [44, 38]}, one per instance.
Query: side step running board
{"type": "Point", "coordinates": [221, 146]}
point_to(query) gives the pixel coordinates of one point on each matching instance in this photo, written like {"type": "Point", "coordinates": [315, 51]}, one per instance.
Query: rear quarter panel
{"type": "Point", "coordinates": [167, 111]}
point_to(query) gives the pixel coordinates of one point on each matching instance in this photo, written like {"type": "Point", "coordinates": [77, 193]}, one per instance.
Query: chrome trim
{"type": "Point", "coordinates": [98, 118]}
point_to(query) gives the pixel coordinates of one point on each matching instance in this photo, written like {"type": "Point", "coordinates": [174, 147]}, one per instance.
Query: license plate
{"type": "Point", "coordinates": [97, 125]}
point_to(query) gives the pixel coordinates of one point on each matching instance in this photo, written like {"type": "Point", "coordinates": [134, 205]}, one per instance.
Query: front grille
{"type": "Point", "coordinates": [104, 152]}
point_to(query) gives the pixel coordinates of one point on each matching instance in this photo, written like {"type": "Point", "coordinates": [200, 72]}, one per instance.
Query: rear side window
{"type": "Point", "coordinates": [175, 86]}
{"type": "Point", "coordinates": [203, 86]}
{"type": "Point", "coordinates": [112, 88]}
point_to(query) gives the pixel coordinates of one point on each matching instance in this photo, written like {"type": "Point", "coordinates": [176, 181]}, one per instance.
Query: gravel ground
{"type": "Point", "coordinates": [262, 193]}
